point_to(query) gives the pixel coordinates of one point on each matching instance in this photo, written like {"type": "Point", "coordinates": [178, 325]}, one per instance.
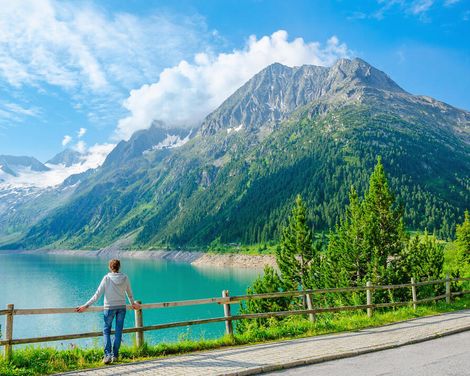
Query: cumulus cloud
{"type": "Point", "coordinates": [187, 92]}
{"type": "Point", "coordinates": [66, 140]}
{"type": "Point", "coordinates": [81, 132]}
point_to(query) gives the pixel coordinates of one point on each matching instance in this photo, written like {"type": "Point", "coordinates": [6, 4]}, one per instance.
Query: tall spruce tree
{"type": "Point", "coordinates": [370, 236]}
{"type": "Point", "coordinates": [384, 230]}
{"type": "Point", "coordinates": [296, 251]}
{"type": "Point", "coordinates": [347, 248]}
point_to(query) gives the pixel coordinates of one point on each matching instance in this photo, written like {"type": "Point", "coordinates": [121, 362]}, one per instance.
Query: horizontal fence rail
{"type": "Point", "coordinates": [226, 301]}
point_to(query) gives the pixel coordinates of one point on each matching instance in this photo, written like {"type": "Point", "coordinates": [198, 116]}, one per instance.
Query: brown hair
{"type": "Point", "coordinates": [114, 265]}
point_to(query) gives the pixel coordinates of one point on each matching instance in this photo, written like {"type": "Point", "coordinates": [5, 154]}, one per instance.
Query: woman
{"type": "Point", "coordinates": [115, 286]}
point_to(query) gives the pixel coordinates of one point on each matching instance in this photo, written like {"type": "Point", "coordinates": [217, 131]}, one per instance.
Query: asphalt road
{"type": "Point", "coordinates": [446, 356]}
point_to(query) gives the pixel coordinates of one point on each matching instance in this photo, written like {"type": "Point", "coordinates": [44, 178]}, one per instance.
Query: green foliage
{"type": "Point", "coordinates": [369, 244]}
{"type": "Point", "coordinates": [369, 238]}
{"type": "Point", "coordinates": [463, 236]}
{"type": "Point", "coordinates": [423, 259]}
{"type": "Point", "coordinates": [296, 252]}
{"type": "Point", "coordinates": [268, 282]}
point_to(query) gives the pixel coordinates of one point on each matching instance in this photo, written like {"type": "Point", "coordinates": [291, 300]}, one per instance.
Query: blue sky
{"type": "Point", "coordinates": [110, 67]}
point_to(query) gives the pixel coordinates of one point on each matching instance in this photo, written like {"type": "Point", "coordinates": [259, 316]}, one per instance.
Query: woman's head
{"type": "Point", "coordinates": [114, 265]}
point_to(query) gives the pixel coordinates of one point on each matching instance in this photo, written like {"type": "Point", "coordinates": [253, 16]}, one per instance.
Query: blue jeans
{"type": "Point", "coordinates": [109, 315]}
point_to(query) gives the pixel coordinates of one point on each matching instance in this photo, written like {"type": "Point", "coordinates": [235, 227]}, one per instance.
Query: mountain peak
{"type": "Point", "coordinates": [277, 90]}
{"type": "Point", "coordinates": [360, 73]}
{"type": "Point", "coordinates": [68, 157]}
{"type": "Point", "coordinates": [13, 164]}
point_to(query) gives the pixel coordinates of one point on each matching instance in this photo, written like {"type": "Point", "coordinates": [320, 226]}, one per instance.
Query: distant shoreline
{"type": "Point", "coordinates": [196, 258]}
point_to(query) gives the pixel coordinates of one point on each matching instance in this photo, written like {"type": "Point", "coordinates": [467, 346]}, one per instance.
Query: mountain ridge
{"type": "Point", "coordinates": [285, 131]}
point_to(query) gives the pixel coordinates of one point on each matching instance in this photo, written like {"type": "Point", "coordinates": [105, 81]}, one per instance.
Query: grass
{"type": "Point", "coordinates": [40, 361]}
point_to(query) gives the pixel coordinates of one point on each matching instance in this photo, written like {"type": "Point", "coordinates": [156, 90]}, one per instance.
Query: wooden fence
{"type": "Point", "coordinates": [10, 312]}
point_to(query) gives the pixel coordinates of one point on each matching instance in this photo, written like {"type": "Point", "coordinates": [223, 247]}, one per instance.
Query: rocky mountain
{"type": "Point", "coordinates": [157, 137]}
{"type": "Point", "coordinates": [29, 191]}
{"type": "Point", "coordinates": [273, 94]}
{"type": "Point", "coordinates": [13, 165]}
{"type": "Point", "coordinates": [68, 158]}
{"type": "Point", "coordinates": [309, 130]}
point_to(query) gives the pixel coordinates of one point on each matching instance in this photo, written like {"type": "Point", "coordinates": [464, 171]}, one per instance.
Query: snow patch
{"type": "Point", "coordinates": [235, 129]}
{"type": "Point", "coordinates": [171, 142]}
{"type": "Point", "coordinates": [27, 178]}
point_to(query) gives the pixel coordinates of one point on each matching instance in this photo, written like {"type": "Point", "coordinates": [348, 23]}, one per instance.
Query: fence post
{"type": "Point", "coordinates": [311, 315]}
{"type": "Point", "coordinates": [227, 313]}
{"type": "Point", "coordinates": [448, 294]}
{"type": "Point", "coordinates": [9, 331]}
{"type": "Point", "coordinates": [369, 298]}
{"type": "Point", "coordinates": [139, 323]}
{"type": "Point", "coordinates": [413, 293]}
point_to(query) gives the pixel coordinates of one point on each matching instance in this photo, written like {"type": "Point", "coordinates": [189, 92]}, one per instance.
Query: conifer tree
{"type": "Point", "coordinates": [346, 247]}
{"type": "Point", "coordinates": [463, 235]}
{"type": "Point", "coordinates": [423, 259]}
{"type": "Point", "coordinates": [296, 252]}
{"type": "Point", "coordinates": [384, 230]}
{"type": "Point", "coordinates": [269, 282]}
{"type": "Point", "coordinates": [370, 236]}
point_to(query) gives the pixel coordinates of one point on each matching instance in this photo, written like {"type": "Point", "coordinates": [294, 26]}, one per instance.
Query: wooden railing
{"type": "Point", "coordinates": [226, 301]}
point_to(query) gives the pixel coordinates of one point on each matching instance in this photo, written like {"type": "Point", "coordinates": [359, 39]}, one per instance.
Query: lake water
{"type": "Point", "coordinates": [52, 281]}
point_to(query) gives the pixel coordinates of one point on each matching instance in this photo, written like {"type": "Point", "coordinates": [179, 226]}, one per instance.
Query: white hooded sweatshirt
{"type": "Point", "coordinates": [114, 286]}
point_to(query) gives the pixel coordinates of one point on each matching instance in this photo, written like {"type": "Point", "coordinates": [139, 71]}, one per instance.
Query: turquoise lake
{"type": "Point", "coordinates": [52, 281]}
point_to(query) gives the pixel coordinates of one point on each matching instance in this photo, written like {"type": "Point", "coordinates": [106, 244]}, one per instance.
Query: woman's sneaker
{"type": "Point", "coordinates": [114, 359]}
{"type": "Point", "coordinates": [107, 359]}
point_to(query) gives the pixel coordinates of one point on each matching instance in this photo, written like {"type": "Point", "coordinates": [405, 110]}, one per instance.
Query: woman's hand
{"type": "Point", "coordinates": [135, 305]}
{"type": "Point", "coordinates": [82, 308]}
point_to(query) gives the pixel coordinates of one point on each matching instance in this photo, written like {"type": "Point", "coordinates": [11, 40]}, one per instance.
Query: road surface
{"type": "Point", "coordinates": [440, 357]}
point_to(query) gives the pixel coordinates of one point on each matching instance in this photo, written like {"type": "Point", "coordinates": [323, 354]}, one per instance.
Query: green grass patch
{"type": "Point", "coordinates": [41, 361]}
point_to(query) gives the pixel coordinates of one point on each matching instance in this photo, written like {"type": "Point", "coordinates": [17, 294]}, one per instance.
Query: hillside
{"type": "Point", "coordinates": [308, 130]}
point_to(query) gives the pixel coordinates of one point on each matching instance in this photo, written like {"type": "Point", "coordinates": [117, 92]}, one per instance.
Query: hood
{"type": "Point", "coordinates": [117, 278]}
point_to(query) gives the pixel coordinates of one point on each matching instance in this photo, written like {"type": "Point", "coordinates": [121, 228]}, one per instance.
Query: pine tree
{"type": "Point", "coordinates": [269, 282]}
{"type": "Point", "coordinates": [383, 227]}
{"type": "Point", "coordinates": [462, 233]}
{"type": "Point", "coordinates": [370, 236]}
{"type": "Point", "coordinates": [423, 259]}
{"type": "Point", "coordinates": [296, 251]}
{"type": "Point", "coordinates": [346, 248]}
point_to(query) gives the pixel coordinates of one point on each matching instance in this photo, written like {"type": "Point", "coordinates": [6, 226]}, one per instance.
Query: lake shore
{"type": "Point", "coordinates": [199, 259]}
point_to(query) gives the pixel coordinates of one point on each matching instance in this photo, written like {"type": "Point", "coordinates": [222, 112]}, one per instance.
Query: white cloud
{"type": "Point", "coordinates": [24, 111]}
{"type": "Point", "coordinates": [187, 92]}
{"type": "Point", "coordinates": [418, 8]}
{"type": "Point", "coordinates": [96, 155]}
{"type": "Point", "coordinates": [421, 6]}
{"type": "Point", "coordinates": [80, 146]}
{"type": "Point", "coordinates": [66, 140]}
{"type": "Point", "coordinates": [15, 113]}
{"type": "Point", "coordinates": [93, 157]}
{"type": "Point", "coordinates": [89, 52]}
{"type": "Point", "coordinates": [81, 132]}
{"type": "Point", "coordinates": [69, 44]}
